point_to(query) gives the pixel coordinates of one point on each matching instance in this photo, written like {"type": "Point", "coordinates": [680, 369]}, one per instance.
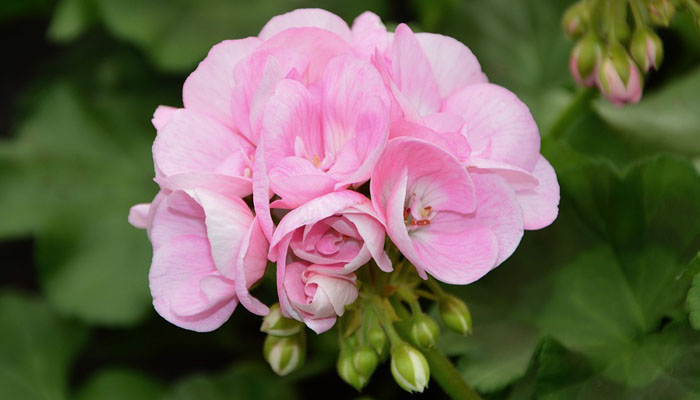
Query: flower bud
{"type": "Point", "coordinates": [574, 20]}
{"type": "Point", "coordinates": [409, 367]}
{"type": "Point", "coordinates": [276, 324]}
{"type": "Point", "coordinates": [424, 331]}
{"type": "Point", "coordinates": [285, 354]}
{"type": "Point", "coordinates": [647, 49]}
{"type": "Point", "coordinates": [455, 314]}
{"type": "Point", "coordinates": [585, 58]}
{"type": "Point", "coordinates": [347, 371]}
{"type": "Point", "coordinates": [376, 336]}
{"type": "Point", "coordinates": [618, 77]}
{"type": "Point", "coordinates": [661, 12]}
{"type": "Point", "coordinates": [365, 361]}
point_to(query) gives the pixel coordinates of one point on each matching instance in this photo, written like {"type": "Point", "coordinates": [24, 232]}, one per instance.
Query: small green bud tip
{"type": "Point", "coordinates": [284, 354]}
{"type": "Point", "coordinates": [365, 361]}
{"type": "Point", "coordinates": [661, 12]}
{"type": "Point", "coordinates": [646, 49]}
{"type": "Point", "coordinates": [424, 331]}
{"type": "Point", "coordinates": [409, 368]}
{"type": "Point", "coordinates": [276, 324]}
{"type": "Point", "coordinates": [347, 371]}
{"type": "Point", "coordinates": [455, 314]}
{"type": "Point", "coordinates": [575, 20]}
{"type": "Point", "coordinates": [377, 338]}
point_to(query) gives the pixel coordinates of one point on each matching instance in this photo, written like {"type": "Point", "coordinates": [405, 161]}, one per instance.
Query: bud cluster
{"type": "Point", "coordinates": [606, 55]}
{"type": "Point", "coordinates": [285, 345]}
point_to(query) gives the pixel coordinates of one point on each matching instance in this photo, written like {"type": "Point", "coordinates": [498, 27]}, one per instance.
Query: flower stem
{"type": "Point", "coordinates": [573, 110]}
{"type": "Point", "coordinates": [441, 368]}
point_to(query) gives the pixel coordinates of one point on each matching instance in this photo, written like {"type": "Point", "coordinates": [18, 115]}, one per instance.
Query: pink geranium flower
{"type": "Point", "coordinates": [317, 247]}
{"type": "Point", "coordinates": [208, 249]}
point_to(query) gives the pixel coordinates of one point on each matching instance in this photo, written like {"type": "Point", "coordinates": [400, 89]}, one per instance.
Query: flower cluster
{"type": "Point", "coordinates": [309, 144]}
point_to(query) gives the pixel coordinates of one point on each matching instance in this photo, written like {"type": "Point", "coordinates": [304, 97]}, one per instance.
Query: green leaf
{"type": "Point", "coordinates": [80, 159]}
{"type": "Point", "coordinates": [36, 348]}
{"type": "Point", "coordinates": [176, 35]}
{"type": "Point", "coordinates": [119, 384]}
{"type": "Point", "coordinates": [666, 119]}
{"type": "Point", "coordinates": [693, 300]}
{"type": "Point", "coordinates": [71, 19]}
{"type": "Point", "coordinates": [663, 365]}
{"type": "Point", "coordinates": [241, 382]}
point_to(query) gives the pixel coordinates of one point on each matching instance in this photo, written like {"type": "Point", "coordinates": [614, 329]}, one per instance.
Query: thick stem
{"type": "Point", "coordinates": [441, 368]}
{"type": "Point", "coordinates": [578, 103]}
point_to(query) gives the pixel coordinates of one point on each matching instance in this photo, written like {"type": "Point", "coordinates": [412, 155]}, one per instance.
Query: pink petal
{"type": "Point", "coordinates": [186, 288]}
{"type": "Point", "coordinates": [517, 178]}
{"type": "Point", "coordinates": [162, 116]}
{"type": "Point", "coordinates": [307, 17]}
{"type": "Point", "coordinates": [227, 185]}
{"type": "Point", "coordinates": [320, 325]}
{"type": "Point", "coordinates": [499, 125]}
{"type": "Point", "coordinates": [453, 64]}
{"type": "Point", "coordinates": [297, 181]}
{"type": "Point", "coordinates": [138, 215]}
{"type": "Point", "coordinates": [412, 72]}
{"type": "Point", "coordinates": [176, 215]}
{"type": "Point", "coordinates": [193, 142]}
{"type": "Point", "coordinates": [540, 204]}
{"type": "Point", "coordinates": [250, 268]}
{"type": "Point", "coordinates": [208, 89]}
{"type": "Point", "coordinates": [369, 35]}
{"type": "Point", "coordinates": [261, 192]}
{"type": "Point", "coordinates": [373, 235]}
{"type": "Point", "coordinates": [438, 176]}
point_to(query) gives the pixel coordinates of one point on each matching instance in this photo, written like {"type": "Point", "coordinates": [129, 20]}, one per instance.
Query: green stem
{"type": "Point", "coordinates": [638, 12]}
{"type": "Point", "coordinates": [441, 368]}
{"type": "Point", "coordinates": [577, 104]}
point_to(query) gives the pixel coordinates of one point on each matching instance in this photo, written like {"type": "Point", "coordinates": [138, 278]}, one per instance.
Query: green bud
{"type": "Point", "coordinates": [347, 371]}
{"type": "Point", "coordinates": [584, 59]}
{"type": "Point", "coordinates": [617, 55]}
{"type": "Point", "coordinates": [276, 324]}
{"type": "Point", "coordinates": [285, 354]}
{"type": "Point", "coordinates": [409, 368]}
{"type": "Point", "coordinates": [365, 361]}
{"type": "Point", "coordinates": [455, 314]}
{"type": "Point", "coordinates": [575, 20]}
{"type": "Point", "coordinates": [647, 49]}
{"type": "Point", "coordinates": [424, 331]}
{"type": "Point", "coordinates": [661, 12]}
{"type": "Point", "coordinates": [376, 336]}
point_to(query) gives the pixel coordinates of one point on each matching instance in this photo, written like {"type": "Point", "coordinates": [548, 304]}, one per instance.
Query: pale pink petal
{"type": "Point", "coordinates": [412, 72]}
{"type": "Point", "coordinates": [227, 185]}
{"type": "Point", "coordinates": [138, 215]}
{"type": "Point", "coordinates": [208, 89]}
{"type": "Point", "coordinates": [320, 325]}
{"type": "Point", "coordinates": [297, 181]}
{"type": "Point", "coordinates": [369, 35]}
{"type": "Point", "coordinates": [261, 192]}
{"type": "Point", "coordinates": [437, 176]}
{"type": "Point", "coordinates": [250, 267]}
{"type": "Point", "coordinates": [306, 17]}
{"type": "Point", "coordinates": [453, 64]}
{"type": "Point", "coordinates": [193, 142]}
{"type": "Point", "coordinates": [517, 178]}
{"type": "Point", "coordinates": [185, 287]}
{"type": "Point", "coordinates": [499, 125]}
{"type": "Point", "coordinates": [540, 204]}
{"type": "Point", "coordinates": [176, 215]}
{"type": "Point", "coordinates": [373, 235]}
{"type": "Point", "coordinates": [162, 116]}
{"type": "Point", "coordinates": [498, 211]}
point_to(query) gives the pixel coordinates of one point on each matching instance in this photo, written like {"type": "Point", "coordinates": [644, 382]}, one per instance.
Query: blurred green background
{"type": "Point", "coordinates": [601, 305]}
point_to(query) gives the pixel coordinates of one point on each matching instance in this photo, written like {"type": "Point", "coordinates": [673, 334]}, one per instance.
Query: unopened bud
{"type": "Point", "coordinates": [365, 361]}
{"type": "Point", "coordinates": [285, 354]}
{"type": "Point", "coordinates": [424, 331]}
{"type": "Point", "coordinates": [455, 314]}
{"type": "Point", "coordinates": [347, 372]}
{"type": "Point", "coordinates": [661, 12]}
{"type": "Point", "coordinates": [376, 336]}
{"type": "Point", "coordinates": [409, 368]}
{"type": "Point", "coordinates": [647, 49]}
{"type": "Point", "coordinates": [575, 19]}
{"type": "Point", "coordinates": [618, 77]}
{"type": "Point", "coordinates": [276, 324]}
{"type": "Point", "coordinates": [585, 58]}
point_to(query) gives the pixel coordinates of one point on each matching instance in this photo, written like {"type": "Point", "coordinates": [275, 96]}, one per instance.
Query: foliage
{"type": "Point", "coordinates": [602, 304]}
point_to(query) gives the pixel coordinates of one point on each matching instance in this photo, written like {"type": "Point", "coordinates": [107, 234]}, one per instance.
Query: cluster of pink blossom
{"type": "Point", "coordinates": [283, 137]}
